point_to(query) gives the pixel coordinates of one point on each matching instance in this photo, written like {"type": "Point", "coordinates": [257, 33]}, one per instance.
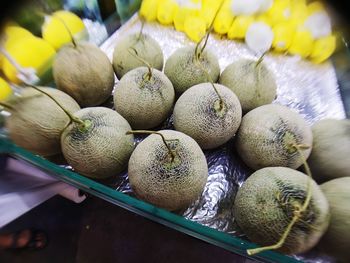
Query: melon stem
{"type": "Point", "coordinates": [68, 30]}
{"type": "Point", "coordinates": [136, 55]}
{"type": "Point", "coordinates": [82, 124]}
{"type": "Point", "coordinates": [141, 29]}
{"type": "Point", "coordinates": [171, 152]}
{"type": "Point", "coordinates": [206, 36]}
{"type": "Point", "coordinates": [260, 59]}
{"type": "Point", "coordinates": [6, 106]}
{"type": "Point", "coordinates": [198, 51]}
{"type": "Point", "coordinates": [298, 211]}
{"type": "Point", "coordinates": [221, 105]}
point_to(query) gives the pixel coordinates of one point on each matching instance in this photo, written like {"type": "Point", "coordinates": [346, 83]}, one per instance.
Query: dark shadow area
{"type": "Point", "coordinates": [96, 231]}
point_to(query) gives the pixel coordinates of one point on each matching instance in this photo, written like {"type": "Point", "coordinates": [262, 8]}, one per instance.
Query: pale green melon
{"type": "Point", "coordinates": [147, 49]}
{"type": "Point", "coordinates": [166, 183]}
{"type": "Point", "coordinates": [264, 207]}
{"type": "Point", "coordinates": [337, 238]}
{"type": "Point", "coordinates": [266, 135]}
{"type": "Point", "coordinates": [198, 114]}
{"type": "Point", "coordinates": [85, 73]}
{"type": "Point", "coordinates": [254, 84]}
{"type": "Point", "coordinates": [100, 150]}
{"type": "Point", "coordinates": [144, 101]}
{"type": "Point", "coordinates": [184, 70]}
{"type": "Point", "coordinates": [37, 122]}
{"type": "Point", "coordinates": [330, 155]}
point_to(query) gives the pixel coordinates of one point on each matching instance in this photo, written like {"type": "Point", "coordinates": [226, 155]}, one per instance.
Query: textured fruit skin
{"type": "Point", "coordinates": [142, 102]}
{"type": "Point", "coordinates": [336, 240]}
{"type": "Point", "coordinates": [265, 134]}
{"type": "Point", "coordinates": [184, 72]}
{"type": "Point", "coordinates": [263, 209]}
{"type": "Point", "coordinates": [147, 48]}
{"type": "Point", "coordinates": [85, 73]}
{"type": "Point", "coordinates": [101, 151]}
{"type": "Point", "coordinates": [37, 122]}
{"type": "Point", "coordinates": [253, 84]}
{"type": "Point", "coordinates": [330, 155]}
{"type": "Point", "coordinates": [155, 179]}
{"type": "Point", "coordinates": [197, 113]}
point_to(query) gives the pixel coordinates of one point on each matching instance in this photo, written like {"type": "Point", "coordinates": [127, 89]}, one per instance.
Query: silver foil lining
{"type": "Point", "coordinates": [312, 90]}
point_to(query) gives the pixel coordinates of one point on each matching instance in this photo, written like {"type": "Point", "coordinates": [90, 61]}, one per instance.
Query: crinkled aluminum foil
{"type": "Point", "coordinates": [310, 89]}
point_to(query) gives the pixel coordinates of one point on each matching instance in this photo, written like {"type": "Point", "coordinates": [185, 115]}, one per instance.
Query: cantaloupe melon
{"type": "Point", "coordinates": [36, 122]}
{"type": "Point", "coordinates": [336, 240]}
{"type": "Point", "coordinates": [144, 98]}
{"type": "Point", "coordinates": [251, 81]}
{"type": "Point", "coordinates": [184, 72]}
{"type": "Point", "coordinates": [268, 136]}
{"type": "Point", "coordinates": [146, 47]}
{"type": "Point", "coordinates": [267, 202]}
{"type": "Point", "coordinates": [100, 148]}
{"type": "Point", "coordinates": [170, 183]}
{"type": "Point", "coordinates": [200, 114]}
{"type": "Point", "coordinates": [330, 155]}
{"type": "Point", "coordinates": [84, 72]}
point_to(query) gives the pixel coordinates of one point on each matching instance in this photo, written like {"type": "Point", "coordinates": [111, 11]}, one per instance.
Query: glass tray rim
{"type": "Point", "coordinates": [159, 215]}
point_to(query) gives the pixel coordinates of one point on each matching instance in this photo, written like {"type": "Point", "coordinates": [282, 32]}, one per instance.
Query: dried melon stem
{"type": "Point", "coordinates": [136, 55]}
{"type": "Point", "coordinates": [298, 208]}
{"type": "Point", "coordinates": [172, 153]}
{"type": "Point", "coordinates": [258, 75]}
{"type": "Point", "coordinates": [63, 22]}
{"type": "Point", "coordinates": [198, 51]}
{"type": "Point", "coordinates": [6, 106]}
{"type": "Point", "coordinates": [68, 30]}
{"type": "Point", "coordinates": [221, 100]}
{"type": "Point", "coordinates": [142, 26]}
{"type": "Point", "coordinates": [260, 59]}
{"type": "Point", "coordinates": [83, 125]}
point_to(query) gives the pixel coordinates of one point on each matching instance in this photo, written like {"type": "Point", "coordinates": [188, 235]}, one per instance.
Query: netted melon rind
{"type": "Point", "coordinates": [37, 122]}
{"type": "Point", "coordinates": [263, 209]}
{"type": "Point", "coordinates": [85, 73]}
{"type": "Point", "coordinates": [147, 48]}
{"type": "Point", "coordinates": [103, 150]}
{"type": "Point", "coordinates": [253, 84]}
{"type": "Point", "coordinates": [329, 158]}
{"type": "Point", "coordinates": [265, 134]}
{"type": "Point", "coordinates": [195, 115]}
{"type": "Point", "coordinates": [142, 102]}
{"type": "Point", "coordinates": [184, 72]}
{"type": "Point", "coordinates": [154, 180]}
